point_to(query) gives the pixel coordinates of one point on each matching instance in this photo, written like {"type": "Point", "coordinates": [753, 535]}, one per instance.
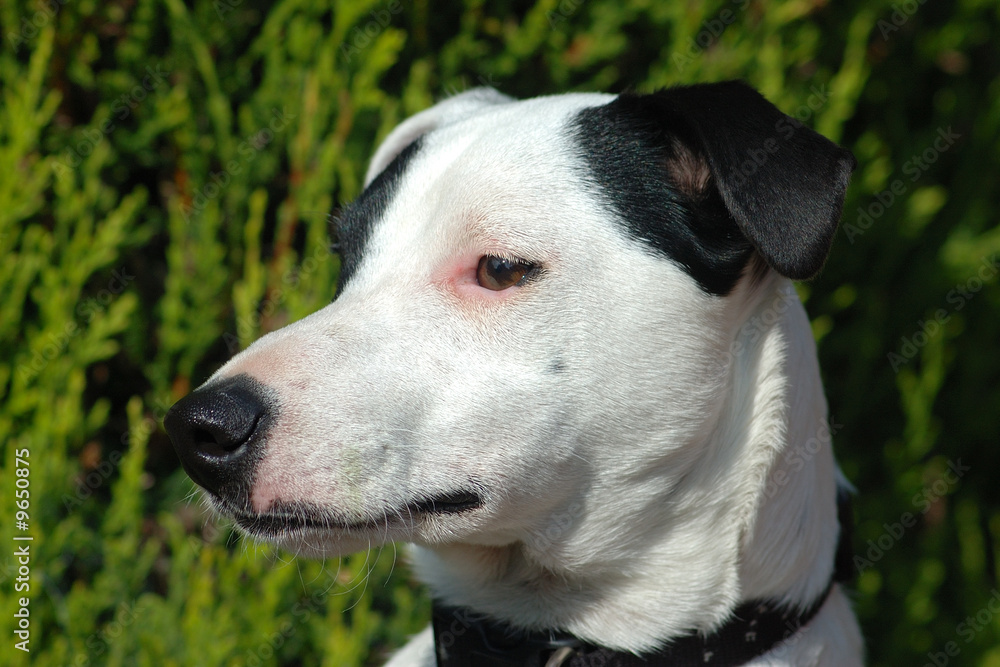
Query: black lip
{"type": "Point", "coordinates": [449, 503]}
{"type": "Point", "coordinates": [276, 523]}
{"type": "Point", "coordinates": [282, 520]}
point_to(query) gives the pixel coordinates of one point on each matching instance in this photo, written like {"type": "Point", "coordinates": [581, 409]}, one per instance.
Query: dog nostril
{"type": "Point", "coordinates": [216, 430]}
{"type": "Point", "coordinates": [202, 436]}
{"type": "Point", "coordinates": [218, 444]}
{"type": "Point", "coordinates": [212, 425]}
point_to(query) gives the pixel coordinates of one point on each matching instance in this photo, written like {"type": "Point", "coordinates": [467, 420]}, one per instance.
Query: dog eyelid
{"type": "Point", "coordinates": [499, 273]}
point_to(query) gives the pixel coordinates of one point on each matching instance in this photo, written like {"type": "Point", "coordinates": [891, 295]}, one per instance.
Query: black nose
{"type": "Point", "coordinates": [218, 432]}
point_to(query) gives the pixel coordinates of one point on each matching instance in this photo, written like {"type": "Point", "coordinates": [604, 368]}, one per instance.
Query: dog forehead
{"type": "Point", "coordinates": [493, 171]}
{"type": "Point", "coordinates": [520, 138]}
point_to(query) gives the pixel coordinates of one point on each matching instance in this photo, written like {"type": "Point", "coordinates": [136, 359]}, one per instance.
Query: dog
{"type": "Point", "coordinates": [567, 362]}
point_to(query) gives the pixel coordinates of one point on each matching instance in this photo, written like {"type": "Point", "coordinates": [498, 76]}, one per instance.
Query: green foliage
{"type": "Point", "coordinates": [168, 172]}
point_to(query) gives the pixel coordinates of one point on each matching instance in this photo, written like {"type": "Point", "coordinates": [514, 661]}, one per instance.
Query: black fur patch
{"type": "Point", "coordinates": [628, 151]}
{"type": "Point", "coordinates": [708, 174]}
{"type": "Point", "coordinates": [354, 226]}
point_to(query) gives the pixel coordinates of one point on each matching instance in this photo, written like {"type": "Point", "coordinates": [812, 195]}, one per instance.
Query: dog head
{"type": "Point", "coordinates": [535, 323]}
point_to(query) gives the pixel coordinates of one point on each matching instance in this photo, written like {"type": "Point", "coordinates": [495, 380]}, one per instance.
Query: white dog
{"type": "Point", "coordinates": [567, 362]}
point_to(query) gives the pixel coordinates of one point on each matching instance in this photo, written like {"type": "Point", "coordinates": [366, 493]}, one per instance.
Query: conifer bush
{"type": "Point", "coordinates": [167, 173]}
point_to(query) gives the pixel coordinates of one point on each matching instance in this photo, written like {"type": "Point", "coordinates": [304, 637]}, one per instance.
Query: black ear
{"type": "Point", "coordinates": [782, 183]}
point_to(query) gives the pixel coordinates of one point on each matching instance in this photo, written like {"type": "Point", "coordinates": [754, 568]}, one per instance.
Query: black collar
{"type": "Point", "coordinates": [463, 638]}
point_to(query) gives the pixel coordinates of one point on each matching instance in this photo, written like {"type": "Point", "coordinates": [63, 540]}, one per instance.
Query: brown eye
{"type": "Point", "coordinates": [498, 273]}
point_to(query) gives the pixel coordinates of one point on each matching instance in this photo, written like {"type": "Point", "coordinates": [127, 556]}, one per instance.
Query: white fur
{"type": "Point", "coordinates": [663, 475]}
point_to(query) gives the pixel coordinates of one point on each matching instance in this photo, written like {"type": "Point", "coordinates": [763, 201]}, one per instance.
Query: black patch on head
{"type": "Point", "coordinates": [627, 150]}
{"type": "Point", "coordinates": [355, 223]}
{"type": "Point", "coordinates": [708, 174]}
{"type": "Point", "coordinates": [556, 366]}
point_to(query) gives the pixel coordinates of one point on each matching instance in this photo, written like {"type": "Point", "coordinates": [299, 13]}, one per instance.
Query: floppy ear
{"type": "Point", "coordinates": [782, 183]}
{"type": "Point", "coordinates": [442, 113]}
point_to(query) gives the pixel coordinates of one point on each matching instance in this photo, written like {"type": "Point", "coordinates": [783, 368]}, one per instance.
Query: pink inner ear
{"type": "Point", "coordinates": [688, 170]}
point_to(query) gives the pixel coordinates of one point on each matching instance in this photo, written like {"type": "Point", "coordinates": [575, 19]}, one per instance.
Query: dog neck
{"type": "Point", "coordinates": [753, 517]}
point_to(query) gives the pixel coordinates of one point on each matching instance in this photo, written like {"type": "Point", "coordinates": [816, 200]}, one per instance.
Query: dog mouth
{"type": "Point", "coordinates": [283, 518]}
